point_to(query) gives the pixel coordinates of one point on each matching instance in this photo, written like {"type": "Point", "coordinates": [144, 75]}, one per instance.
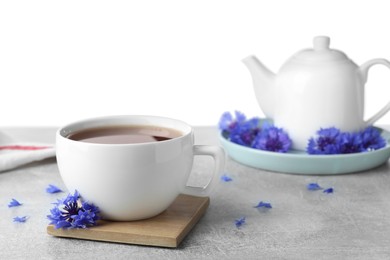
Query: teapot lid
{"type": "Point", "coordinates": [320, 52]}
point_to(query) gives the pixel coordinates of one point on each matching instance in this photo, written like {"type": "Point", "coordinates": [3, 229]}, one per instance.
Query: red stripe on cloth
{"type": "Point", "coordinates": [22, 147]}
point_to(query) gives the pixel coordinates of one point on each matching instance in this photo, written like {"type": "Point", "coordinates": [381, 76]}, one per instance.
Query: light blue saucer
{"type": "Point", "coordinates": [299, 162]}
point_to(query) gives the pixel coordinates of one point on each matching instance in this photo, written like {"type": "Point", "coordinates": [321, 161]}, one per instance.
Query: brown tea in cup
{"type": "Point", "coordinates": [124, 134]}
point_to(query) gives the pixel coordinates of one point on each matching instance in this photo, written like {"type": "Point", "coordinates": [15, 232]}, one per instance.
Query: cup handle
{"type": "Point", "coordinates": [364, 70]}
{"type": "Point", "coordinates": [218, 155]}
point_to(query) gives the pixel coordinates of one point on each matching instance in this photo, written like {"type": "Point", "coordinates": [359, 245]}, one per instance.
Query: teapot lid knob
{"type": "Point", "coordinates": [320, 52]}
{"type": "Point", "coordinates": [321, 43]}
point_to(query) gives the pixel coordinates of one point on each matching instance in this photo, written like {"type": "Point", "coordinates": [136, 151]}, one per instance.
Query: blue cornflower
{"type": "Point", "coordinates": [20, 219]}
{"type": "Point", "coordinates": [226, 178]}
{"type": "Point", "coordinates": [349, 143]}
{"type": "Point", "coordinates": [371, 139]}
{"type": "Point", "coordinates": [73, 212]}
{"type": "Point", "coordinates": [263, 205]}
{"type": "Point", "coordinates": [272, 139]}
{"type": "Point", "coordinates": [52, 189]}
{"type": "Point", "coordinates": [239, 222]}
{"type": "Point", "coordinates": [327, 142]}
{"type": "Point", "coordinates": [313, 186]}
{"type": "Point", "coordinates": [14, 203]}
{"type": "Point", "coordinates": [228, 123]}
{"type": "Point", "coordinates": [243, 132]}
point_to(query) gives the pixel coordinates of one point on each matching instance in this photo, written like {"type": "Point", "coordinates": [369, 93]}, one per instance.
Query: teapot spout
{"type": "Point", "coordinates": [263, 83]}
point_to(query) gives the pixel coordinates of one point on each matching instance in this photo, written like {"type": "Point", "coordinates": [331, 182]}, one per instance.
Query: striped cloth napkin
{"type": "Point", "coordinates": [13, 155]}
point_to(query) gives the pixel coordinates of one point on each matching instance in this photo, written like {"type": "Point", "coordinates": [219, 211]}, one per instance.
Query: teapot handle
{"type": "Point", "coordinates": [364, 70]}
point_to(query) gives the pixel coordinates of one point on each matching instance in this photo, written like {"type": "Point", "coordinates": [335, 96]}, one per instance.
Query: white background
{"type": "Point", "coordinates": [62, 61]}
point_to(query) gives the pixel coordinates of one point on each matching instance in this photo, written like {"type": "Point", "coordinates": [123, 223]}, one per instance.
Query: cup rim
{"type": "Point", "coordinates": [87, 123]}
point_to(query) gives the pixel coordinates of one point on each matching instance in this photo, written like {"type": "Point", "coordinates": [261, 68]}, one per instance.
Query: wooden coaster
{"type": "Point", "coordinates": [166, 230]}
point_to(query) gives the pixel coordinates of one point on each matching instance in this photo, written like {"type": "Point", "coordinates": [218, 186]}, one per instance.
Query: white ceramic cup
{"type": "Point", "coordinates": [132, 181]}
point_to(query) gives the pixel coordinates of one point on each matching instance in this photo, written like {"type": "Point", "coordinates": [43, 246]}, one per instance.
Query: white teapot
{"type": "Point", "coordinates": [316, 88]}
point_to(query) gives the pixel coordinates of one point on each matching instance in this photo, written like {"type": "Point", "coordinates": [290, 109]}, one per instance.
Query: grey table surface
{"type": "Point", "coordinates": [351, 223]}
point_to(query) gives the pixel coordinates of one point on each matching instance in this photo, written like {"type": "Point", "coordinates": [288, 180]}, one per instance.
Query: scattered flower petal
{"type": "Point", "coordinates": [73, 212]}
{"type": "Point", "coordinates": [329, 190]}
{"type": "Point", "coordinates": [313, 186]}
{"type": "Point", "coordinates": [14, 203]}
{"type": "Point", "coordinates": [226, 178]}
{"type": "Point", "coordinates": [20, 219]}
{"type": "Point", "coordinates": [264, 205]}
{"type": "Point", "coordinates": [53, 189]}
{"type": "Point", "coordinates": [239, 222]}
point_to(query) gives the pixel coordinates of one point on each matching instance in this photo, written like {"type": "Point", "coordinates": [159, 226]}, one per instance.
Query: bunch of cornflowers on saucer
{"type": "Point", "coordinates": [333, 141]}
{"type": "Point", "coordinates": [263, 135]}
{"type": "Point", "coordinates": [254, 133]}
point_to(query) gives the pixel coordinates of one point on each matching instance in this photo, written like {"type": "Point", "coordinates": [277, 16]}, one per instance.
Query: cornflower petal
{"type": "Point", "coordinates": [53, 189]}
{"type": "Point", "coordinates": [329, 190]}
{"type": "Point", "coordinates": [263, 205]}
{"type": "Point", "coordinates": [14, 203]}
{"type": "Point", "coordinates": [226, 178]}
{"type": "Point", "coordinates": [239, 222]}
{"type": "Point", "coordinates": [313, 186]}
{"type": "Point", "coordinates": [20, 219]}
{"type": "Point", "coordinates": [62, 224]}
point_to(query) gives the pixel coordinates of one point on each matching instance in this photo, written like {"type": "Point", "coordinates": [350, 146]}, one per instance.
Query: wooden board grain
{"type": "Point", "coordinates": [166, 230]}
